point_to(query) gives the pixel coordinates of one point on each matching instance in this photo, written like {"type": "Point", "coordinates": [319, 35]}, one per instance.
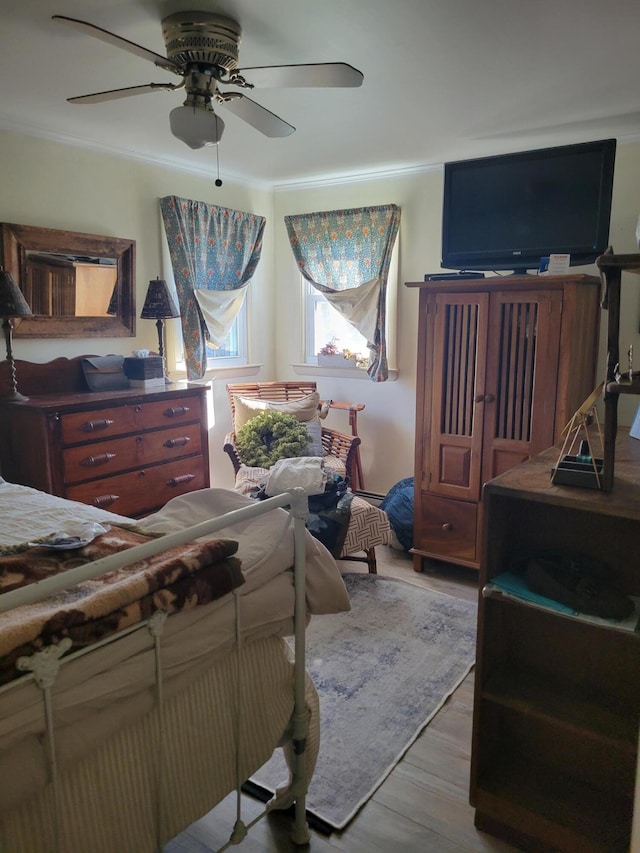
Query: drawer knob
{"type": "Point", "coordinates": [98, 460]}
{"type": "Point", "coordinates": [105, 500]}
{"type": "Point", "coordinates": [180, 480]}
{"type": "Point", "coordinates": [92, 426]}
{"type": "Point", "coordinates": [176, 411]}
{"type": "Point", "coordinates": [180, 441]}
{"type": "Point", "coordinates": [446, 526]}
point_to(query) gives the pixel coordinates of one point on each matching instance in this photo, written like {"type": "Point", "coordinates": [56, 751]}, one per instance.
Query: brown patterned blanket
{"type": "Point", "coordinates": [177, 579]}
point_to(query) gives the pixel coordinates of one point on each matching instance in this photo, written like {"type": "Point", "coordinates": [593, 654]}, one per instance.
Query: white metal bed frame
{"type": "Point", "coordinates": [44, 665]}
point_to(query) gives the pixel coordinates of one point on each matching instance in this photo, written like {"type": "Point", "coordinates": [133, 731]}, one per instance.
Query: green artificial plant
{"type": "Point", "coordinates": [270, 436]}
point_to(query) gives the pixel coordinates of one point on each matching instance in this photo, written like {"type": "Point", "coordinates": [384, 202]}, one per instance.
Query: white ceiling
{"type": "Point", "coordinates": [443, 80]}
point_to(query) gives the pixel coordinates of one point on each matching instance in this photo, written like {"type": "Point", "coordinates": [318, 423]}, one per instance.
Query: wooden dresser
{"type": "Point", "coordinates": [126, 451]}
{"type": "Point", "coordinates": [503, 364]}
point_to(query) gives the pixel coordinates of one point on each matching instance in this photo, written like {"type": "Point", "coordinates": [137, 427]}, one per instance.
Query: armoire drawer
{"type": "Point", "coordinates": [447, 527]}
{"type": "Point", "coordinates": [139, 492]}
{"type": "Point", "coordinates": [100, 458]}
{"type": "Point", "coordinates": [76, 427]}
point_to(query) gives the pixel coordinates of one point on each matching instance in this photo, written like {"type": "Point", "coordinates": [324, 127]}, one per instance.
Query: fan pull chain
{"type": "Point", "coordinates": [218, 181]}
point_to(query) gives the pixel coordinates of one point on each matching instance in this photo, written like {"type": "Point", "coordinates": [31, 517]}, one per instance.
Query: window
{"type": "Point", "coordinates": [324, 323]}
{"type": "Point", "coordinates": [233, 351]}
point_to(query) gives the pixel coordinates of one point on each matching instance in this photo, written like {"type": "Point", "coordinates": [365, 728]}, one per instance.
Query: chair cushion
{"type": "Point", "coordinates": [369, 526]}
{"type": "Point", "coordinates": [304, 409]}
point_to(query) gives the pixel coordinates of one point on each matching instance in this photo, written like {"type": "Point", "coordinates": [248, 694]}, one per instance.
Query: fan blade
{"type": "Point", "coordinates": [319, 74]}
{"type": "Point", "coordinates": [118, 41]}
{"type": "Point", "coordinates": [114, 94]}
{"type": "Point", "coordinates": [259, 117]}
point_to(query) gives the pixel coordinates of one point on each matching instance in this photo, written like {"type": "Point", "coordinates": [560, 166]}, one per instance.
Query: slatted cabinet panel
{"type": "Point", "coordinates": [523, 365]}
{"type": "Point", "coordinates": [454, 454]}
{"type": "Point", "coordinates": [503, 363]}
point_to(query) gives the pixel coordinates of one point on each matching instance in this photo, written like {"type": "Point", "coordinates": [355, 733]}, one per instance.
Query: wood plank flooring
{"type": "Point", "coordinates": [422, 806]}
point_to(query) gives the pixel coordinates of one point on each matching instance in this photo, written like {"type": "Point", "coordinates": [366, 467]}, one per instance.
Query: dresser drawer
{"type": "Point", "coordinates": [447, 527]}
{"type": "Point", "coordinates": [100, 458]}
{"type": "Point", "coordinates": [120, 419]}
{"type": "Point", "coordinates": [139, 492]}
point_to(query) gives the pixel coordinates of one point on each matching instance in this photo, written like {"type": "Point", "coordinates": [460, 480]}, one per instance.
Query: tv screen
{"type": "Point", "coordinates": [506, 212]}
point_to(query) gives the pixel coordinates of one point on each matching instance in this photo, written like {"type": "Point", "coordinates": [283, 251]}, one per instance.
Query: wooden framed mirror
{"type": "Point", "coordinates": [77, 285]}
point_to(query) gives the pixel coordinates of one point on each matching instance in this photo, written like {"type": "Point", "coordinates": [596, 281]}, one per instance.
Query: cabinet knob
{"type": "Point", "coordinates": [182, 478]}
{"type": "Point", "coordinates": [179, 441]}
{"type": "Point", "coordinates": [105, 500]}
{"type": "Point", "coordinates": [176, 411]}
{"type": "Point", "coordinates": [101, 459]}
{"type": "Point", "coordinates": [446, 526]}
{"type": "Point", "coordinates": [92, 426]}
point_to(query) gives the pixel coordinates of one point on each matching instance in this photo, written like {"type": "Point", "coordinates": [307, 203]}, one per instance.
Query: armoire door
{"type": "Point", "coordinates": [458, 382]}
{"type": "Point", "coordinates": [521, 377]}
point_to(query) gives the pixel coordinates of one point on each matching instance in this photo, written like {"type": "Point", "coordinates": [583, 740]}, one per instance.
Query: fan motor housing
{"type": "Point", "coordinates": [202, 38]}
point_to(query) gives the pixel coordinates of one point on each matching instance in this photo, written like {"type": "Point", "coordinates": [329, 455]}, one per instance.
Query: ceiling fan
{"type": "Point", "coordinates": [202, 49]}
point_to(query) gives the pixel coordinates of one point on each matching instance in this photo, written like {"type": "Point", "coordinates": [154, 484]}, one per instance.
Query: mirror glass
{"type": "Point", "coordinates": [77, 285]}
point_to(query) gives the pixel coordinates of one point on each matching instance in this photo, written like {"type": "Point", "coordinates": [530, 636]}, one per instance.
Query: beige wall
{"type": "Point", "coordinates": [58, 186]}
{"type": "Point", "coordinates": [387, 424]}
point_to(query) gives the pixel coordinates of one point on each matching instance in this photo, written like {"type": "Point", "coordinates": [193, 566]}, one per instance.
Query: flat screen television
{"type": "Point", "coordinates": [506, 212]}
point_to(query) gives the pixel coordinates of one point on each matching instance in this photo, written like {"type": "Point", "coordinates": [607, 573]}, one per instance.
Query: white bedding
{"type": "Point", "coordinates": [101, 695]}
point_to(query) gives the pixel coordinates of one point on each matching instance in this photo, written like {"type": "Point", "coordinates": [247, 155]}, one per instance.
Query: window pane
{"type": "Point", "coordinates": [326, 324]}
{"type": "Point", "coordinates": [230, 347]}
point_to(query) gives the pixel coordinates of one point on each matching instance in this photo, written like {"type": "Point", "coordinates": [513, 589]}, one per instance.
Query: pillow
{"type": "Point", "coordinates": [314, 428]}
{"type": "Point", "coordinates": [248, 479]}
{"type": "Point", "coordinates": [304, 409]}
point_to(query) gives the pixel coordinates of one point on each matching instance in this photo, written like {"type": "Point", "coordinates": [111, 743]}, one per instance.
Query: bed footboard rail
{"type": "Point", "coordinates": [296, 503]}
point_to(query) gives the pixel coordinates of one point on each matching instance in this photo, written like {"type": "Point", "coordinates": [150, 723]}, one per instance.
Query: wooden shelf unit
{"type": "Point", "coordinates": [557, 698]}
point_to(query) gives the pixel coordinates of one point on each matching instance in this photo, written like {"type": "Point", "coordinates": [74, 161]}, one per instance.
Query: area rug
{"type": "Point", "coordinates": [382, 672]}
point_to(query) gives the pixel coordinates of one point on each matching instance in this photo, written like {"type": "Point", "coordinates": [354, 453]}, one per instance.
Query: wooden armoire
{"type": "Point", "coordinates": [503, 364]}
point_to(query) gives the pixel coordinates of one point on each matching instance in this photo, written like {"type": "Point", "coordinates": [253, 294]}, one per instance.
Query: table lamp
{"type": "Point", "coordinates": [159, 305]}
{"type": "Point", "coordinates": [12, 304]}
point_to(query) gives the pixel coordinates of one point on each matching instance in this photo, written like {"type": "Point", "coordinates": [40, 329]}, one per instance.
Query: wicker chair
{"type": "Point", "coordinates": [370, 525]}
{"type": "Point", "coordinates": [336, 444]}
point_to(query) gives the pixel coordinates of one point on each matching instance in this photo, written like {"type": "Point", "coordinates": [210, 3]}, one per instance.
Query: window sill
{"type": "Point", "coordinates": [346, 372]}
{"type": "Point", "coordinates": [228, 370]}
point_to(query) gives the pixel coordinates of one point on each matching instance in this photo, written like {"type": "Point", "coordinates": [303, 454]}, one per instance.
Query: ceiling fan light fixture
{"type": "Point", "coordinates": [196, 125]}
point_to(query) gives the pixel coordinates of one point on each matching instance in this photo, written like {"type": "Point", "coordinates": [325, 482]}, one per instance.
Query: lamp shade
{"type": "Point", "coordinates": [12, 301]}
{"type": "Point", "coordinates": [159, 303]}
{"type": "Point", "coordinates": [196, 124]}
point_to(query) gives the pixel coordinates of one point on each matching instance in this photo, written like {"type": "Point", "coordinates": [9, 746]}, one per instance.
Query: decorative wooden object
{"type": "Point", "coordinates": [503, 363]}
{"type": "Point", "coordinates": [127, 451]}
{"type": "Point", "coordinates": [581, 469]}
{"type": "Point", "coordinates": [555, 728]}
